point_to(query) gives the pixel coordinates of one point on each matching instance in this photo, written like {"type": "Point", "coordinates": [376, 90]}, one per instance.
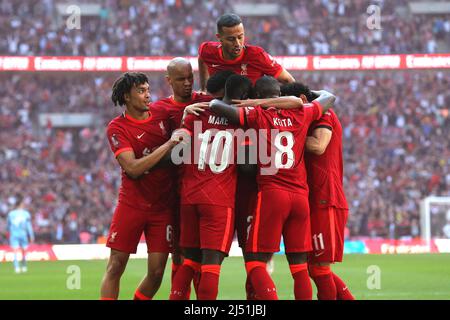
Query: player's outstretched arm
{"type": "Point", "coordinates": [204, 74]}
{"type": "Point", "coordinates": [134, 168]}
{"type": "Point", "coordinates": [318, 142]}
{"type": "Point", "coordinates": [325, 98]}
{"type": "Point", "coordinates": [225, 110]}
{"type": "Point", "coordinates": [288, 102]}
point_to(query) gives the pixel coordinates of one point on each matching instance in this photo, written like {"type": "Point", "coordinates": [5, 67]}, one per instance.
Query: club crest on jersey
{"type": "Point", "coordinates": [114, 140]}
{"type": "Point", "coordinates": [244, 69]}
{"type": "Point", "coordinates": [112, 238]}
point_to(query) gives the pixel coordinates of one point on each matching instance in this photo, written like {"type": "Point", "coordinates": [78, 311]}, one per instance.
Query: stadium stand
{"type": "Point", "coordinates": [133, 27]}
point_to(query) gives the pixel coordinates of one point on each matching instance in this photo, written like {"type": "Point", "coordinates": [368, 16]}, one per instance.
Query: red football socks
{"type": "Point", "coordinates": [249, 290]}
{"type": "Point", "coordinates": [196, 280]}
{"type": "Point", "coordinates": [302, 284]}
{"type": "Point", "coordinates": [209, 282]}
{"type": "Point", "coordinates": [323, 278]}
{"type": "Point", "coordinates": [262, 282]}
{"type": "Point", "coordinates": [175, 268]}
{"type": "Point", "coordinates": [343, 293]}
{"type": "Point", "coordinates": [181, 284]}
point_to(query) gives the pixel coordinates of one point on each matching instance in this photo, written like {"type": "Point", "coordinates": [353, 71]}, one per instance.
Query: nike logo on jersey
{"type": "Point", "coordinates": [141, 135]}
{"type": "Point", "coordinates": [319, 254]}
{"type": "Point", "coordinates": [215, 65]}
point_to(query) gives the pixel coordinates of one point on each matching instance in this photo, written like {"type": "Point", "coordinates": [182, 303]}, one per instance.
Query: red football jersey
{"type": "Point", "coordinates": [286, 169]}
{"type": "Point", "coordinates": [206, 182]}
{"type": "Point", "coordinates": [325, 172]}
{"type": "Point", "coordinates": [154, 190]}
{"type": "Point", "coordinates": [174, 109]}
{"type": "Point", "coordinates": [253, 62]}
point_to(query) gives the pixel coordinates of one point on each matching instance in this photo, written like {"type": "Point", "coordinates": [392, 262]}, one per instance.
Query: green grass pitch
{"type": "Point", "coordinates": [402, 277]}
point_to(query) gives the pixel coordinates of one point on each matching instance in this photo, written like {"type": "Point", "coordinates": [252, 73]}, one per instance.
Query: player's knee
{"type": "Point", "coordinates": [193, 254]}
{"type": "Point", "coordinates": [177, 258]}
{"type": "Point", "coordinates": [156, 274]}
{"type": "Point", "coordinates": [115, 268]}
{"type": "Point", "coordinates": [297, 258]}
{"type": "Point", "coordinates": [212, 256]}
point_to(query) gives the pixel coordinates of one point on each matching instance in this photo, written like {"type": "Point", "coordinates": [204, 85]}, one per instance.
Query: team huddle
{"type": "Point", "coordinates": [254, 154]}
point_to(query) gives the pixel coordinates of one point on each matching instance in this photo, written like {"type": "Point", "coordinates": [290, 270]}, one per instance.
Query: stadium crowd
{"type": "Point", "coordinates": [177, 27]}
{"type": "Point", "coordinates": [396, 149]}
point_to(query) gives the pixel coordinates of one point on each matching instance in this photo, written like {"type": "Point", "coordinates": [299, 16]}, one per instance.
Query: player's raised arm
{"type": "Point", "coordinates": [325, 98]}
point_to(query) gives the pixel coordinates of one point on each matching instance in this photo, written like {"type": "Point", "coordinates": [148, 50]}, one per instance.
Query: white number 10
{"type": "Point", "coordinates": [216, 143]}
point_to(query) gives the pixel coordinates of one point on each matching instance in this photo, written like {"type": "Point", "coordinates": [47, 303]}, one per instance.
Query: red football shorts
{"type": "Point", "coordinates": [206, 227]}
{"type": "Point", "coordinates": [245, 207]}
{"type": "Point", "coordinates": [327, 229]}
{"type": "Point", "coordinates": [127, 226]}
{"type": "Point", "coordinates": [280, 213]}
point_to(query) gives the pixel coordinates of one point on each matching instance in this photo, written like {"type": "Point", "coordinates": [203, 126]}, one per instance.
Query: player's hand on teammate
{"type": "Point", "coordinates": [246, 103]}
{"type": "Point", "coordinates": [196, 108]}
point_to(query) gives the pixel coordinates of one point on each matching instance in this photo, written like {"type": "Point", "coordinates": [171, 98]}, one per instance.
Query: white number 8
{"type": "Point", "coordinates": [281, 149]}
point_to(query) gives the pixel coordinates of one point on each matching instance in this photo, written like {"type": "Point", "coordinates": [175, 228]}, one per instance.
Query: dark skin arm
{"type": "Point", "coordinates": [226, 110]}
{"type": "Point", "coordinates": [325, 98]}
{"type": "Point", "coordinates": [288, 102]}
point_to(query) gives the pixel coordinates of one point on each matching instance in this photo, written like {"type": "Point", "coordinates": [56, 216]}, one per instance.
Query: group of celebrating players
{"type": "Point", "coordinates": [192, 208]}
